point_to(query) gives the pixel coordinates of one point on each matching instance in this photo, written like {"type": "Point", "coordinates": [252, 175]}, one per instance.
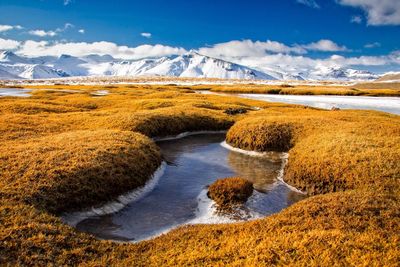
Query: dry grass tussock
{"type": "Point", "coordinates": [329, 151]}
{"type": "Point", "coordinates": [230, 191]}
{"type": "Point", "coordinates": [62, 151]}
{"type": "Point", "coordinates": [369, 89]}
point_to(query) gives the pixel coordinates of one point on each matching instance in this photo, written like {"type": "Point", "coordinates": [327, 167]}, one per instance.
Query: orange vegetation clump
{"type": "Point", "coordinates": [230, 191]}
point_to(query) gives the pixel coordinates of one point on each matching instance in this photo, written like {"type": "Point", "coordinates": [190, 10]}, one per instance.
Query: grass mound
{"type": "Point", "coordinates": [265, 136]}
{"type": "Point", "coordinates": [230, 191]}
{"type": "Point", "coordinates": [329, 151]}
{"type": "Point", "coordinates": [76, 169]}
{"type": "Point", "coordinates": [169, 122]}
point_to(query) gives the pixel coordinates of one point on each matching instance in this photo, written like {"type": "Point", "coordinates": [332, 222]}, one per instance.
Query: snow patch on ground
{"type": "Point", "coordinates": [185, 134]}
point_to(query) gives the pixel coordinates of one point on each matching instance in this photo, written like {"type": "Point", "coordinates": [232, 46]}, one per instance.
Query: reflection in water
{"type": "Point", "coordinates": [261, 172]}
{"type": "Point", "coordinates": [195, 162]}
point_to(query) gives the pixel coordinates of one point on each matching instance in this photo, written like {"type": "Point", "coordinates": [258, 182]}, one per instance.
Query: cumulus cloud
{"type": "Point", "coordinates": [379, 12]}
{"type": "Point", "coordinates": [246, 48]}
{"type": "Point", "coordinates": [5, 28]}
{"type": "Point", "coordinates": [372, 45]}
{"type": "Point", "coordinates": [66, 27]}
{"type": "Point", "coordinates": [325, 46]}
{"type": "Point", "coordinates": [6, 44]}
{"type": "Point", "coordinates": [356, 19]}
{"type": "Point", "coordinates": [43, 33]}
{"type": "Point", "coordinates": [310, 3]}
{"type": "Point", "coordinates": [256, 55]}
{"type": "Point", "coordinates": [146, 34]}
{"type": "Point", "coordinates": [46, 48]}
{"type": "Point", "coordinates": [82, 31]}
{"type": "Point", "coordinates": [300, 63]}
{"type": "Point", "coordinates": [51, 33]}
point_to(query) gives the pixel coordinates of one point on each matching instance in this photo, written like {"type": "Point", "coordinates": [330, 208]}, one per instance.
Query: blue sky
{"type": "Point", "coordinates": [355, 28]}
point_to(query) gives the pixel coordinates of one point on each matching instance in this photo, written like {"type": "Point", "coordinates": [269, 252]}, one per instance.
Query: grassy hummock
{"type": "Point", "coordinates": [230, 191]}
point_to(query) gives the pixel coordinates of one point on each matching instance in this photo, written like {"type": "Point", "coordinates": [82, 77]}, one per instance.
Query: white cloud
{"type": "Point", "coordinates": [67, 2]}
{"type": "Point", "coordinates": [246, 53]}
{"type": "Point", "coordinates": [356, 19]}
{"type": "Point", "coordinates": [300, 63]}
{"type": "Point", "coordinates": [46, 48]}
{"type": "Point", "coordinates": [249, 48]}
{"type": "Point", "coordinates": [325, 45]}
{"type": "Point", "coordinates": [5, 28]}
{"type": "Point", "coordinates": [310, 3]}
{"type": "Point", "coordinates": [67, 26]}
{"type": "Point", "coordinates": [379, 12]}
{"type": "Point", "coordinates": [82, 31]}
{"type": "Point", "coordinates": [146, 34]}
{"type": "Point", "coordinates": [6, 44]}
{"type": "Point", "coordinates": [43, 33]}
{"type": "Point", "coordinates": [51, 33]}
{"type": "Point", "coordinates": [372, 45]}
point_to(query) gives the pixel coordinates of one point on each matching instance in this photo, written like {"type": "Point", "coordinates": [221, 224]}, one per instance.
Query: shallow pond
{"type": "Point", "coordinates": [15, 92]}
{"type": "Point", "coordinates": [386, 104]}
{"type": "Point", "coordinates": [180, 195]}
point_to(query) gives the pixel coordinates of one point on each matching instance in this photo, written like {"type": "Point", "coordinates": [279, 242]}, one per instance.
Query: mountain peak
{"type": "Point", "coordinates": [11, 57]}
{"type": "Point", "coordinates": [190, 64]}
{"type": "Point", "coordinates": [7, 53]}
{"type": "Point", "coordinates": [65, 56]}
{"type": "Point", "coordinates": [193, 52]}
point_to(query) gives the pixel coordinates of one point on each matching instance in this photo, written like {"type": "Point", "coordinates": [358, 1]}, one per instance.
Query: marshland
{"type": "Point", "coordinates": [66, 149]}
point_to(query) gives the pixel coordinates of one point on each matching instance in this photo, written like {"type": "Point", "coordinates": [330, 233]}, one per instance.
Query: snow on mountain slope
{"type": "Point", "coordinates": [191, 64]}
{"type": "Point", "coordinates": [9, 57]}
{"type": "Point", "coordinates": [41, 72]}
{"type": "Point", "coordinates": [6, 75]}
{"type": "Point", "coordinates": [280, 74]}
{"type": "Point", "coordinates": [337, 73]}
{"type": "Point", "coordinates": [124, 68]}
{"type": "Point", "coordinates": [70, 65]}
{"type": "Point", "coordinates": [93, 58]}
{"type": "Point", "coordinates": [390, 77]}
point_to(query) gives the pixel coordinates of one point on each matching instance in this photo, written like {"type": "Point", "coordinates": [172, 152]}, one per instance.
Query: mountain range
{"type": "Point", "coordinates": [191, 64]}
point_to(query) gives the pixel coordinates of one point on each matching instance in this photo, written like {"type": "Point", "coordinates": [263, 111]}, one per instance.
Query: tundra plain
{"type": "Point", "coordinates": [66, 148]}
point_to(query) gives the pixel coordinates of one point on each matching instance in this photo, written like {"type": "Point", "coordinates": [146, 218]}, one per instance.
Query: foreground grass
{"type": "Point", "coordinates": [62, 151]}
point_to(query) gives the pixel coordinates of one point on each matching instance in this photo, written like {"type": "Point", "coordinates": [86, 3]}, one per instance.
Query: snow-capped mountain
{"type": "Point", "coordinates": [337, 73]}
{"type": "Point", "coordinates": [191, 64]}
{"type": "Point", "coordinates": [9, 57]}
{"type": "Point", "coordinates": [390, 77]}
{"type": "Point", "coordinates": [41, 71]}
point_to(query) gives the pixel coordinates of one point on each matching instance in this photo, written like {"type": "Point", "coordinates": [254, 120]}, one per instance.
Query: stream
{"type": "Point", "coordinates": [180, 196]}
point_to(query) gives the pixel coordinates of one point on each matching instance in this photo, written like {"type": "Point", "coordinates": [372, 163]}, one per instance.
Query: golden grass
{"type": "Point", "coordinates": [64, 151]}
{"type": "Point", "coordinates": [75, 169]}
{"type": "Point", "coordinates": [368, 89]}
{"type": "Point", "coordinates": [230, 191]}
{"type": "Point", "coordinates": [329, 150]}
